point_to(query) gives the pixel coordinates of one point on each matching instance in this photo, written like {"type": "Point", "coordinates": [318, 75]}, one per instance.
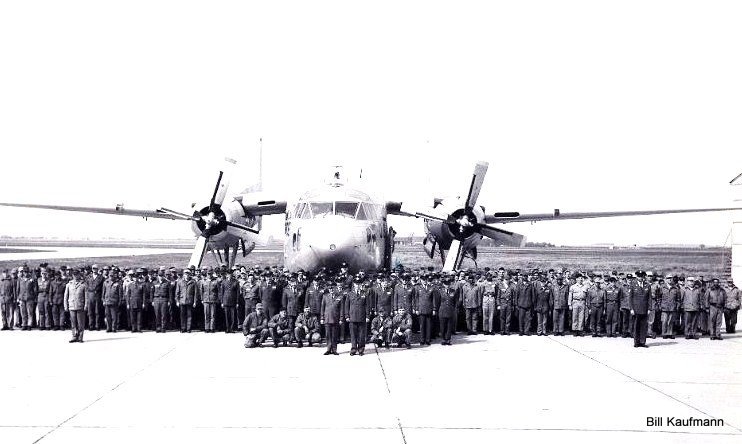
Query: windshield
{"type": "Point", "coordinates": [321, 209]}
{"type": "Point", "coordinates": [347, 209]}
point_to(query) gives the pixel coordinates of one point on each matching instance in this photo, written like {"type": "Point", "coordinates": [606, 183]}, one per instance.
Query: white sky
{"type": "Point", "coordinates": [577, 105]}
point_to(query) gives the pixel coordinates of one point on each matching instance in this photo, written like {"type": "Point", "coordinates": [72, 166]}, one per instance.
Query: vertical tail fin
{"type": "Point", "coordinates": [737, 233]}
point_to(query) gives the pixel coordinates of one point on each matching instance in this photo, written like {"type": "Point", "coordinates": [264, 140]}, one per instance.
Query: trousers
{"type": "Point", "coordinates": [668, 319]}
{"type": "Point", "coordinates": [524, 320]}
{"type": "Point", "coordinates": [489, 308]}
{"type": "Point", "coordinates": [77, 318]}
{"type": "Point", "coordinates": [160, 306]}
{"type": "Point", "coordinates": [112, 318]}
{"type": "Point", "coordinates": [472, 319]}
{"type": "Point", "coordinates": [357, 336]}
{"type": "Point", "coordinates": [506, 317]}
{"type": "Point", "coordinates": [578, 317]}
{"type": "Point", "coordinates": [210, 316]}
{"type": "Point", "coordinates": [447, 328]}
{"type": "Point", "coordinates": [426, 325]}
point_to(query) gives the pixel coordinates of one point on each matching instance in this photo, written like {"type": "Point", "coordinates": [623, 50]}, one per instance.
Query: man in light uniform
{"type": "Point", "coordinates": [576, 303]}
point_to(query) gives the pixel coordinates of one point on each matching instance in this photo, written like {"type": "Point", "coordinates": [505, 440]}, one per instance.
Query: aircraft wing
{"type": "Point", "coordinates": [501, 218]}
{"type": "Point", "coordinates": [120, 210]}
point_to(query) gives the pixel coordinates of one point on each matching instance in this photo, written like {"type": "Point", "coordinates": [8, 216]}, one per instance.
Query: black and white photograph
{"type": "Point", "coordinates": [410, 222]}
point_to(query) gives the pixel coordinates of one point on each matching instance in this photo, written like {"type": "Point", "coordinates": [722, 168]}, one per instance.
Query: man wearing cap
{"type": "Point", "coordinates": [669, 302]}
{"type": "Point", "coordinates": [524, 302]}
{"type": "Point", "coordinates": [690, 302]}
{"type": "Point", "coordinates": [625, 313]}
{"type": "Point", "coordinates": [402, 328]}
{"type": "Point", "coordinates": [577, 303]}
{"type": "Point", "coordinates": [313, 298]}
{"type": "Point", "coordinates": [161, 300]}
{"type": "Point", "coordinates": [28, 291]}
{"type": "Point", "coordinates": [208, 294]}
{"type": "Point", "coordinates": [45, 316]}
{"type": "Point", "coordinates": [290, 300]}
{"type": "Point", "coordinates": [612, 307]}
{"type": "Point", "coordinates": [250, 292]}
{"type": "Point", "coordinates": [136, 294]}
{"type": "Point", "coordinates": [424, 300]}
{"type": "Point", "coordinates": [506, 295]}
{"type": "Point", "coordinates": [306, 327]}
{"type": "Point", "coordinates": [489, 304]}
{"type": "Point", "coordinates": [18, 304]}
{"type": "Point", "coordinates": [381, 329]}
{"type": "Point", "coordinates": [731, 307]}
{"type": "Point", "coordinates": [332, 314]}
{"type": "Point", "coordinates": [279, 328]}
{"type": "Point", "coordinates": [56, 299]}
{"type": "Point", "coordinates": [255, 327]}
{"type": "Point", "coordinates": [75, 302]}
{"type": "Point", "coordinates": [715, 301]}
{"type": "Point", "coordinates": [384, 296]}
{"type": "Point", "coordinates": [229, 293]}
{"type": "Point", "coordinates": [185, 299]}
{"type": "Point", "coordinates": [472, 300]}
{"type": "Point", "coordinates": [112, 295]}
{"type": "Point", "coordinates": [446, 308]}
{"type": "Point", "coordinates": [542, 300]}
{"type": "Point", "coordinates": [596, 296]}
{"type": "Point", "coordinates": [357, 314]}
{"type": "Point", "coordinates": [640, 300]}
{"type": "Point", "coordinates": [94, 285]}
{"type": "Point", "coordinates": [7, 300]}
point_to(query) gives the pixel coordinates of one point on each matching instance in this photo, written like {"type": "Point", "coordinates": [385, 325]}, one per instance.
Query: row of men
{"type": "Point", "coordinates": [493, 296]}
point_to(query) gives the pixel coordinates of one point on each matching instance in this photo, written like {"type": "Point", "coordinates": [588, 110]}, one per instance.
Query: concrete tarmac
{"type": "Point", "coordinates": [207, 388]}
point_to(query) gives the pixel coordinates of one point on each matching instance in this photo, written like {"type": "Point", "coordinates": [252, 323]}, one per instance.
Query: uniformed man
{"type": "Point", "coordinates": [625, 291]}
{"type": "Point", "coordinates": [76, 303]}
{"type": "Point", "coordinates": [715, 301]}
{"type": "Point", "coordinates": [255, 327]}
{"type": "Point", "coordinates": [472, 300]}
{"type": "Point", "coordinates": [28, 295]}
{"type": "Point", "coordinates": [381, 329]}
{"type": "Point", "coordinates": [94, 284]}
{"type": "Point", "coordinates": [424, 302]}
{"type": "Point", "coordinates": [402, 328]}
{"type": "Point", "coordinates": [596, 296]}
{"type": "Point", "coordinates": [543, 297]}
{"type": "Point", "coordinates": [185, 299]}
{"type": "Point", "coordinates": [731, 307]}
{"type": "Point", "coordinates": [111, 297]}
{"type": "Point", "coordinates": [560, 303]}
{"type": "Point", "coordinates": [690, 301]}
{"type": "Point", "coordinates": [209, 295]}
{"type": "Point", "coordinates": [18, 304]}
{"type": "Point", "coordinates": [45, 318]}
{"type": "Point", "coordinates": [250, 294]}
{"type": "Point", "coordinates": [7, 300]}
{"type": "Point", "coordinates": [357, 314]}
{"type": "Point", "coordinates": [56, 299]}
{"type": "Point", "coordinates": [291, 301]}
{"type": "Point", "coordinates": [640, 301]}
{"type": "Point", "coordinates": [612, 307]}
{"type": "Point", "coordinates": [229, 293]}
{"type": "Point", "coordinates": [135, 296]}
{"type": "Point", "coordinates": [161, 300]}
{"type": "Point", "coordinates": [332, 315]}
{"type": "Point", "coordinates": [576, 303]}
{"type": "Point", "coordinates": [669, 303]}
{"type": "Point", "coordinates": [524, 302]}
{"type": "Point", "coordinates": [446, 308]}
{"type": "Point", "coordinates": [384, 296]}
{"type": "Point", "coordinates": [489, 304]}
{"type": "Point", "coordinates": [280, 328]}
{"type": "Point", "coordinates": [306, 327]}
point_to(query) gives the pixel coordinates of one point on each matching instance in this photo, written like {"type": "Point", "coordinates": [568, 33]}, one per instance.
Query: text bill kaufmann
{"type": "Point", "coordinates": [671, 421]}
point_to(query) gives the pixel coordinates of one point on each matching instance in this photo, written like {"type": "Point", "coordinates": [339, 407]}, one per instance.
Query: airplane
{"type": "Point", "coordinates": [336, 223]}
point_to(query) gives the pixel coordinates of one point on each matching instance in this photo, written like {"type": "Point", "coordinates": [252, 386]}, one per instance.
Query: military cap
{"type": "Point", "coordinates": [141, 270]}
{"type": "Point", "coordinates": [94, 266]}
{"type": "Point", "coordinates": [187, 271]}
{"type": "Point", "coordinates": [258, 305]}
{"type": "Point", "coordinates": [630, 276]}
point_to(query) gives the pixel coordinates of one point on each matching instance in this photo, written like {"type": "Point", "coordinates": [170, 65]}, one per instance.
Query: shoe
{"type": "Point", "coordinates": [643, 345]}
{"type": "Point", "coordinates": [360, 353]}
{"type": "Point", "coordinates": [80, 340]}
{"type": "Point", "coordinates": [352, 352]}
{"type": "Point", "coordinates": [275, 345]}
{"type": "Point", "coordinates": [72, 340]}
{"type": "Point", "coordinates": [672, 336]}
{"type": "Point", "coordinates": [335, 353]}
{"type": "Point", "coordinates": [719, 338]}
{"type": "Point", "coordinates": [408, 346]}
{"type": "Point", "coordinates": [300, 345]}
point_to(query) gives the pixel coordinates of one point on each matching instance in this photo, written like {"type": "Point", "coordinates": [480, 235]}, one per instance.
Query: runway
{"type": "Point", "coordinates": [128, 388]}
{"type": "Point", "coordinates": [44, 253]}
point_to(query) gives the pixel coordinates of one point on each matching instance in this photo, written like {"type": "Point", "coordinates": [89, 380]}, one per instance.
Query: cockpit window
{"type": "Point", "coordinates": [303, 211]}
{"type": "Point", "coordinates": [321, 209]}
{"type": "Point", "coordinates": [361, 213]}
{"type": "Point", "coordinates": [347, 209]}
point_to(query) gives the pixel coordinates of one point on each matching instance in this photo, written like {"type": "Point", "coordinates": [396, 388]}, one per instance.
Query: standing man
{"type": "Point", "coordinates": [612, 307]}
{"type": "Point", "coordinates": [690, 301]}
{"type": "Point", "coordinates": [716, 299]}
{"type": "Point", "coordinates": [229, 293]}
{"type": "Point", "coordinates": [56, 299]}
{"type": "Point", "coordinates": [112, 295]}
{"type": "Point", "coordinates": [7, 300]}
{"type": "Point", "coordinates": [489, 305]}
{"type": "Point", "coordinates": [136, 294]}
{"type": "Point", "coordinates": [43, 300]}
{"type": "Point", "coordinates": [313, 299]}
{"type": "Point", "coordinates": [669, 303]}
{"type": "Point", "coordinates": [505, 303]}
{"type": "Point", "coordinates": [94, 285]}
{"type": "Point", "coordinates": [290, 301]}
{"type": "Point", "coordinates": [596, 296]}
{"type": "Point", "coordinates": [576, 303]}
{"type": "Point", "coordinates": [524, 301]}
{"type": "Point", "coordinates": [209, 295]}
{"type": "Point", "coordinates": [446, 310]}
{"type": "Point", "coordinates": [542, 303]}
{"type": "Point", "coordinates": [640, 300]}
{"type": "Point", "coordinates": [185, 298]}
{"type": "Point", "coordinates": [161, 300]}
{"type": "Point", "coordinates": [28, 290]}
{"type": "Point", "coordinates": [333, 305]}
{"type": "Point", "coordinates": [731, 307]}
{"type": "Point", "coordinates": [559, 302]}
{"type": "Point", "coordinates": [250, 294]}
{"type": "Point", "coordinates": [357, 314]}
{"type": "Point", "coordinates": [76, 303]}
{"type": "Point", "coordinates": [472, 300]}
{"type": "Point", "coordinates": [424, 303]}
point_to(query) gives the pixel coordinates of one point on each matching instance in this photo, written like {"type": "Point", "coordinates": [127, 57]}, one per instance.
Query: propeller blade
{"type": "Point", "coordinates": [178, 215]}
{"type": "Point", "coordinates": [502, 237]}
{"type": "Point", "coordinates": [453, 257]}
{"type": "Point", "coordinates": [480, 170]}
{"type": "Point", "coordinates": [243, 227]}
{"type": "Point", "coordinates": [425, 212]}
{"type": "Point", "coordinates": [198, 252]}
{"type": "Point", "coordinates": [222, 183]}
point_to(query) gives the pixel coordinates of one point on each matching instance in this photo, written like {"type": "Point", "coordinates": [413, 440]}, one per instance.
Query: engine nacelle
{"type": "Point", "coordinates": [213, 222]}
{"type": "Point", "coordinates": [461, 226]}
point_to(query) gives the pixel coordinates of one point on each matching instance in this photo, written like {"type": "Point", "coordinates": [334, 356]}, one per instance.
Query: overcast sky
{"type": "Point", "coordinates": [576, 105]}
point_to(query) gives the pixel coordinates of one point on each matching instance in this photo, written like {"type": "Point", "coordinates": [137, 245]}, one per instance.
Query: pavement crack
{"type": "Point", "coordinates": [641, 382]}
{"type": "Point", "coordinates": [389, 392]}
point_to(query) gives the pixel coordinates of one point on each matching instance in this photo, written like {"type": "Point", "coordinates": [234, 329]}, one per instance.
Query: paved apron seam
{"type": "Point", "coordinates": [389, 392]}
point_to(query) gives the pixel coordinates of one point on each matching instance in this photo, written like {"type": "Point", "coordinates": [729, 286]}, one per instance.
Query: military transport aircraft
{"type": "Point", "coordinates": [336, 224]}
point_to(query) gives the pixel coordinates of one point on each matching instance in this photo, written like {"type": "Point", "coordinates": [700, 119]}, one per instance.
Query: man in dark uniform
{"type": "Point", "coordinates": [402, 328]}
{"type": "Point", "coordinates": [43, 300]}
{"type": "Point", "coordinates": [209, 295]}
{"type": "Point", "coordinates": [161, 300]}
{"type": "Point", "coordinates": [612, 307]}
{"type": "Point", "coordinates": [381, 329]}
{"type": "Point", "coordinates": [669, 302]}
{"type": "Point", "coordinates": [357, 313]}
{"type": "Point", "coordinates": [255, 327]}
{"type": "Point", "coordinates": [715, 300]}
{"type": "Point", "coordinates": [307, 327]}
{"type": "Point", "coordinates": [731, 307]}
{"type": "Point", "coordinates": [542, 300]}
{"type": "Point", "coordinates": [639, 300]}
{"type": "Point", "coordinates": [384, 296]}
{"type": "Point", "coordinates": [524, 302]}
{"type": "Point", "coordinates": [446, 308]}
{"type": "Point", "coordinates": [332, 315]}
{"type": "Point", "coordinates": [229, 293]}
{"type": "Point", "coordinates": [424, 302]}
{"type": "Point", "coordinates": [559, 302]}
{"type": "Point", "coordinates": [28, 291]}
{"type": "Point", "coordinates": [7, 300]}
{"type": "Point", "coordinates": [94, 285]}
{"type": "Point", "coordinates": [313, 298]}
{"type": "Point", "coordinates": [596, 302]}
{"type": "Point", "coordinates": [112, 295]}
{"type": "Point", "coordinates": [291, 302]}
{"type": "Point", "coordinates": [136, 294]}
{"type": "Point", "coordinates": [56, 299]}
{"type": "Point", "coordinates": [185, 297]}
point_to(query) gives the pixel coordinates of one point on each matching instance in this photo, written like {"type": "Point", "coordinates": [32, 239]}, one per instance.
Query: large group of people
{"type": "Point", "coordinates": [386, 308]}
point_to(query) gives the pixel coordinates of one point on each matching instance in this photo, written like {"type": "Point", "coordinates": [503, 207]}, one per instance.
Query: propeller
{"type": "Point", "coordinates": [463, 222]}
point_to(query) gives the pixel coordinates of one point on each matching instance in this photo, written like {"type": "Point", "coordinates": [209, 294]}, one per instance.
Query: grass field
{"type": "Point", "coordinates": [689, 261]}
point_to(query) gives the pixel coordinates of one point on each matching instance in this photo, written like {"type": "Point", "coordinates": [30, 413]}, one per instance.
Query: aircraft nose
{"type": "Point", "coordinates": [331, 243]}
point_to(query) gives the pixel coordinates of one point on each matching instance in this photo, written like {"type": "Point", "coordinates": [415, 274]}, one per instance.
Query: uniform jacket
{"type": "Point", "coordinates": [596, 297]}
{"type": "Point", "coordinates": [384, 299]}
{"type": "Point", "coordinates": [313, 298]}
{"type": "Point", "coordinates": [229, 292]}
{"type": "Point", "coordinates": [270, 295]}
{"type": "Point", "coordinates": [251, 292]}
{"type": "Point", "coordinates": [733, 299]}
{"type": "Point", "coordinates": [161, 290]}
{"type": "Point", "coordinates": [332, 310]}
{"type": "Point", "coordinates": [402, 322]}
{"type": "Point", "coordinates": [94, 285]}
{"type": "Point", "coordinates": [308, 320]}
{"type": "Point", "coordinates": [506, 295]}
{"type": "Point", "coordinates": [402, 297]}
{"type": "Point", "coordinates": [640, 298]}
{"type": "Point", "coordinates": [281, 324]}
{"type": "Point", "coordinates": [56, 291]}
{"type": "Point", "coordinates": [543, 297]}
{"type": "Point", "coordinates": [185, 292]}
{"type": "Point", "coordinates": [690, 299]}
{"type": "Point", "coordinates": [290, 300]}
{"type": "Point", "coordinates": [28, 290]}
{"type": "Point", "coordinates": [447, 302]}
{"type": "Point", "coordinates": [377, 323]}
{"type": "Point", "coordinates": [75, 296]}
{"type": "Point", "coordinates": [7, 291]}
{"type": "Point", "coordinates": [524, 295]}
{"type": "Point", "coordinates": [43, 286]}
{"type": "Point", "coordinates": [716, 298]}
{"type": "Point", "coordinates": [254, 323]}
{"type": "Point", "coordinates": [471, 297]}
{"type": "Point", "coordinates": [613, 295]}
{"type": "Point", "coordinates": [625, 292]}
{"type": "Point", "coordinates": [669, 298]}
{"type": "Point", "coordinates": [136, 294]}
{"type": "Point", "coordinates": [357, 308]}
{"type": "Point", "coordinates": [425, 299]}
{"type": "Point", "coordinates": [577, 295]}
{"type": "Point", "coordinates": [209, 291]}
{"type": "Point", "coordinates": [112, 292]}
{"type": "Point", "coordinates": [560, 296]}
